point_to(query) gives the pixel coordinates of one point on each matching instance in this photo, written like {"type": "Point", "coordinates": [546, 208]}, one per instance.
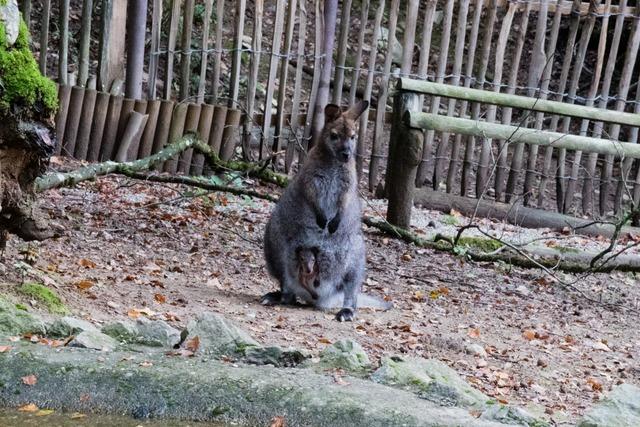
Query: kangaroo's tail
{"type": "Point", "coordinates": [370, 301]}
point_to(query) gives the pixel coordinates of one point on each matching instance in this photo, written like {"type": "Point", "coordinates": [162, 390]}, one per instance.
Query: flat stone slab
{"type": "Point", "coordinates": [159, 386]}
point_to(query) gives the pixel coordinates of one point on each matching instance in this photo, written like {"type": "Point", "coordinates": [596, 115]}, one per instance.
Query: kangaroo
{"type": "Point", "coordinates": [326, 297]}
{"type": "Point", "coordinates": [320, 208]}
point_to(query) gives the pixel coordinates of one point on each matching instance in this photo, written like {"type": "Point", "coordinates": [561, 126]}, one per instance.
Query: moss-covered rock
{"type": "Point", "coordinates": [345, 354]}
{"type": "Point", "coordinates": [67, 326]}
{"type": "Point", "coordinates": [621, 408]}
{"type": "Point", "coordinates": [95, 340]}
{"type": "Point", "coordinates": [275, 356]}
{"type": "Point", "coordinates": [21, 84]}
{"type": "Point", "coordinates": [218, 336]}
{"type": "Point", "coordinates": [154, 333]}
{"type": "Point", "coordinates": [45, 296]}
{"type": "Point", "coordinates": [14, 321]}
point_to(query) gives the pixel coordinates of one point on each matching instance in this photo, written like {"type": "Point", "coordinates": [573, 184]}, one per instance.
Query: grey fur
{"type": "Point", "coordinates": [320, 208]}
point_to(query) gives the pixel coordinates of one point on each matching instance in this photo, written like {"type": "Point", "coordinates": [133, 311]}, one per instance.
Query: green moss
{"type": "Point", "coordinates": [21, 83]}
{"type": "Point", "coordinates": [480, 243]}
{"type": "Point", "coordinates": [44, 295]}
{"type": "Point", "coordinates": [21, 307]}
{"type": "Point", "coordinates": [449, 220]}
{"type": "Point", "coordinates": [566, 250]}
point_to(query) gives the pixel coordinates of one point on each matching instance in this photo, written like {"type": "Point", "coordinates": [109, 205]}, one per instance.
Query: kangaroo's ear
{"type": "Point", "coordinates": [356, 110]}
{"type": "Point", "coordinates": [332, 112]}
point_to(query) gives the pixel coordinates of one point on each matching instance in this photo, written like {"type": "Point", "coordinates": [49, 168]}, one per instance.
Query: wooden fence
{"type": "Point", "coordinates": [264, 59]}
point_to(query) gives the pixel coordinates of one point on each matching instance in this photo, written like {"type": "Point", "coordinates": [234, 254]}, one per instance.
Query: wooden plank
{"type": "Point", "coordinates": [517, 135]}
{"type": "Point", "coordinates": [315, 82]}
{"type": "Point", "coordinates": [146, 143]}
{"type": "Point", "coordinates": [85, 39]}
{"type": "Point", "coordinates": [99, 119]}
{"type": "Point", "coordinates": [64, 95]}
{"type": "Point", "coordinates": [297, 93]}
{"type": "Point", "coordinates": [154, 55]}
{"type": "Point", "coordinates": [218, 50]}
{"type": "Point", "coordinates": [217, 128]}
{"type": "Point", "coordinates": [435, 100]}
{"type": "Point", "coordinates": [470, 142]}
{"type": "Point", "coordinates": [161, 137]}
{"type": "Point", "coordinates": [190, 125]}
{"type": "Point", "coordinates": [86, 120]}
{"type": "Point", "coordinates": [383, 95]}
{"type": "Point", "coordinates": [228, 147]}
{"type": "Point", "coordinates": [482, 176]}
{"type": "Point", "coordinates": [63, 23]}
{"type": "Point", "coordinates": [271, 80]}
{"type": "Point", "coordinates": [176, 130]}
{"type": "Point", "coordinates": [254, 67]}
{"type": "Point", "coordinates": [44, 36]}
{"type": "Point", "coordinates": [112, 46]}
{"type": "Point", "coordinates": [283, 76]}
{"type": "Point", "coordinates": [362, 131]}
{"type": "Point", "coordinates": [236, 63]}
{"type": "Point", "coordinates": [564, 74]}
{"type": "Point", "coordinates": [73, 121]}
{"type": "Point", "coordinates": [452, 173]}
{"type": "Point", "coordinates": [589, 189]}
{"type": "Point", "coordinates": [458, 56]}
{"type": "Point", "coordinates": [136, 27]}
{"type": "Point", "coordinates": [614, 129]}
{"type": "Point", "coordinates": [518, 101]}
{"type": "Point", "coordinates": [111, 128]}
{"type": "Point", "coordinates": [127, 107]}
{"type": "Point", "coordinates": [204, 131]}
{"type": "Point", "coordinates": [136, 123]}
{"type": "Point", "coordinates": [518, 151]}
{"type": "Point", "coordinates": [204, 58]}
{"type": "Point", "coordinates": [530, 176]}
{"type": "Point", "coordinates": [564, 199]}
{"type": "Point", "coordinates": [355, 74]}
{"type": "Point", "coordinates": [139, 107]}
{"type": "Point", "coordinates": [171, 48]}
{"type": "Point", "coordinates": [185, 47]}
{"type": "Point", "coordinates": [592, 159]}
{"type": "Point", "coordinates": [343, 40]}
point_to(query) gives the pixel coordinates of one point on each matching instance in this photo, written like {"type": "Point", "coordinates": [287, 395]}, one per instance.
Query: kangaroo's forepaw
{"type": "Point", "coordinates": [272, 298]}
{"type": "Point", "coordinates": [346, 315]}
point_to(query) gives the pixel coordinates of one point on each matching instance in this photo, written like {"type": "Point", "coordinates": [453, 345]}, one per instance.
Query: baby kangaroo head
{"type": "Point", "coordinates": [339, 133]}
{"type": "Point", "coordinates": [307, 259]}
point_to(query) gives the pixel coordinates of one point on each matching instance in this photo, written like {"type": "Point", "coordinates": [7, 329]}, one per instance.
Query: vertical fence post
{"type": "Point", "coordinates": [44, 36]}
{"type": "Point", "coordinates": [64, 42]}
{"type": "Point", "coordinates": [136, 26]}
{"type": "Point", "coordinates": [236, 63]}
{"type": "Point", "coordinates": [85, 39]}
{"type": "Point", "coordinates": [185, 47]}
{"type": "Point", "coordinates": [405, 154]}
{"type": "Point", "coordinates": [156, 22]}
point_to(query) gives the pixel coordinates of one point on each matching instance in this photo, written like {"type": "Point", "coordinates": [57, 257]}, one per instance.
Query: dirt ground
{"type": "Point", "coordinates": [514, 334]}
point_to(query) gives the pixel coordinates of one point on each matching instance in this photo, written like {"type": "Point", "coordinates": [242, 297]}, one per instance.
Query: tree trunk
{"type": "Point", "coordinates": [27, 104]}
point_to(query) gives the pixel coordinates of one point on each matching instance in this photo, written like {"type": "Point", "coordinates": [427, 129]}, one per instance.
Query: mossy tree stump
{"type": "Point", "coordinates": [27, 105]}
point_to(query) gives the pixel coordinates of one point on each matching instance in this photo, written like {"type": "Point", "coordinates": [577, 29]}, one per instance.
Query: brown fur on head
{"type": "Point", "coordinates": [308, 269]}
{"type": "Point", "coordinates": [340, 130]}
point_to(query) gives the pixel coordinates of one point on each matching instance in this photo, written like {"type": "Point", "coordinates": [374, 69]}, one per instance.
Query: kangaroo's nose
{"type": "Point", "coordinates": [344, 154]}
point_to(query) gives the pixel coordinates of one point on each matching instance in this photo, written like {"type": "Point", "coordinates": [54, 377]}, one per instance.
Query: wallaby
{"type": "Point", "coordinates": [325, 297]}
{"type": "Point", "coordinates": [320, 208]}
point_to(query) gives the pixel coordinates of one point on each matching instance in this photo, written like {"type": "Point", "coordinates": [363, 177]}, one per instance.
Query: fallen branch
{"type": "Point", "coordinates": [92, 171]}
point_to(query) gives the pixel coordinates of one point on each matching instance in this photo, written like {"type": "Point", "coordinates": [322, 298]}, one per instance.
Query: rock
{"type": "Point", "coordinates": [18, 322]}
{"type": "Point", "coordinates": [67, 326]}
{"type": "Point", "coordinates": [95, 340]}
{"type": "Point", "coordinates": [275, 356]}
{"type": "Point", "coordinates": [10, 18]}
{"type": "Point", "coordinates": [218, 336]}
{"type": "Point", "coordinates": [431, 380]}
{"type": "Point", "coordinates": [153, 333]}
{"type": "Point", "coordinates": [621, 408]}
{"type": "Point", "coordinates": [345, 354]}
{"type": "Point", "coordinates": [156, 333]}
{"type": "Point", "coordinates": [476, 350]}
{"type": "Point", "coordinates": [434, 381]}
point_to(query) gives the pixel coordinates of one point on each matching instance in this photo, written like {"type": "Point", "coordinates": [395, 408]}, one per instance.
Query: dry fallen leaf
{"type": "Point", "coordinates": [160, 298]}
{"type": "Point", "coordinates": [4, 348]}
{"type": "Point", "coordinates": [31, 407]}
{"type": "Point", "coordinates": [473, 333]}
{"type": "Point", "coordinates": [528, 334]}
{"type": "Point", "coordinates": [29, 380]}
{"type": "Point", "coordinates": [595, 384]}
{"type": "Point", "coordinates": [77, 416]}
{"type": "Point", "coordinates": [278, 422]}
{"type": "Point", "coordinates": [44, 412]}
{"type": "Point", "coordinates": [84, 284]}
{"type": "Point", "coordinates": [87, 263]}
{"type": "Point", "coordinates": [193, 344]}
{"type": "Point", "coordinates": [146, 364]}
{"type": "Point", "coordinates": [324, 341]}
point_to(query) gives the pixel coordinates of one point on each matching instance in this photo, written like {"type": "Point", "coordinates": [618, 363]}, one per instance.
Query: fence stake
{"type": "Point", "coordinates": [63, 22]}
{"type": "Point", "coordinates": [282, 78]}
{"type": "Point", "coordinates": [190, 125]}
{"type": "Point", "coordinates": [338, 77]}
{"type": "Point", "coordinates": [85, 40]}
{"type": "Point", "coordinates": [218, 58]}
{"type": "Point", "coordinates": [156, 34]}
{"type": "Point", "coordinates": [185, 46]}
{"type": "Point", "coordinates": [254, 67]}
{"type": "Point", "coordinates": [176, 130]}
{"type": "Point", "coordinates": [44, 36]}
{"type": "Point", "coordinates": [208, 6]}
{"type": "Point", "coordinates": [136, 27]}
{"type": "Point", "coordinates": [111, 127]}
{"type": "Point", "coordinates": [171, 47]}
{"type": "Point", "coordinates": [355, 74]}
{"type": "Point", "coordinates": [236, 63]}
{"type": "Point", "coordinates": [204, 130]}
{"type": "Point", "coordinates": [86, 120]}
{"type": "Point", "coordinates": [97, 127]}
{"type": "Point", "coordinates": [295, 108]}
{"type": "Point", "coordinates": [146, 143]}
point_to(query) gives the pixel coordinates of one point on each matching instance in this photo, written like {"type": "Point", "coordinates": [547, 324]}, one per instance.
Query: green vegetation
{"type": "Point", "coordinates": [45, 296]}
{"type": "Point", "coordinates": [21, 83]}
{"type": "Point", "coordinates": [566, 250]}
{"type": "Point", "coordinates": [480, 243]}
{"type": "Point", "coordinates": [449, 220]}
